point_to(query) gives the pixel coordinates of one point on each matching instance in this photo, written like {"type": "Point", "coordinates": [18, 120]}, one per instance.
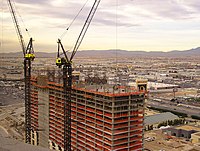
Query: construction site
{"type": "Point", "coordinates": [94, 106]}
{"type": "Point", "coordinates": [102, 117]}
{"type": "Point", "coordinates": [65, 115]}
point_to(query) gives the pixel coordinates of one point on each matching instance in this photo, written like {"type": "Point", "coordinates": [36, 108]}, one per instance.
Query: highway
{"type": "Point", "coordinates": [172, 106]}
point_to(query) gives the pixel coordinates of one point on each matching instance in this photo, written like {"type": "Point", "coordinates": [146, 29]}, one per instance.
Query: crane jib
{"type": "Point", "coordinates": [27, 51]}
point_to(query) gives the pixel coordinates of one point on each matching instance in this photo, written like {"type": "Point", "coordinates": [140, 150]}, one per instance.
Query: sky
{"type": "Point", "coordinates": [134, 25]}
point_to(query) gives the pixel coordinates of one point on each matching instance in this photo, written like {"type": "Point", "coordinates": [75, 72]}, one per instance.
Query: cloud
{"type": "Point", "coordinates": [169, 9]}
{"type": "Point", "coordinates": [39, 2]}
{"type": "Point", "coordinates": [126, 9]}
{"type": "Point", "coordinates": [66, 11]}
{"type": "Point", "coordinates": [159, 9]}
{"type": "Point", "coordinates": [140, 19]}
{"type": "Point", "coordinates": [194, 5]}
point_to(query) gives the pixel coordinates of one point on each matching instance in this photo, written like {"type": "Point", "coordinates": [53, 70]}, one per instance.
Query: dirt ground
{"type": "Point", "coordinates": [10, 95]}
{"type": "Point", "coordinates": [12, 121]}
{"type": "Point", "coordinates": [157, 141]}
{"type": "Point", "coordinates": [150, 112]}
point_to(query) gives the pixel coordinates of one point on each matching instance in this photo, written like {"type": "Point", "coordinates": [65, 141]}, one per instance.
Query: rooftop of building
{"type": "Point", "coordinates": [104, 89]}
{"type": "Point", "coordinates": [109, 90]}
{"type": "Point", "coordinates": [159, 118]}
{"type": "Point", "coordinates": [156, 85]}
{"type": "Point", "coordinates": [196, 134]}
{"type": "Point", "coordinates": [188, 128]}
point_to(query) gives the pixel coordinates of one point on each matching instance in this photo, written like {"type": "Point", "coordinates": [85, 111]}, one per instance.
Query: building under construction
{"type": "Point", "coordinates": [102, 117]}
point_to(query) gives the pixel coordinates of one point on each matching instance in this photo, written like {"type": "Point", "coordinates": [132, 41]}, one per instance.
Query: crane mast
{"type": "Point", "coordinates": [29, 56]}
{"type": "Point", "coordinates": [65, 63]}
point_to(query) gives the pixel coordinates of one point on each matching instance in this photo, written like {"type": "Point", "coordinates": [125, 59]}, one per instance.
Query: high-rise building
{"type": "Point", "coordinates": [104, 118]}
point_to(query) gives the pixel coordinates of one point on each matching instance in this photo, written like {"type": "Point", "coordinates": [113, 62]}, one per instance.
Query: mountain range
{"type": "Point", "coordinates": [116, 53]}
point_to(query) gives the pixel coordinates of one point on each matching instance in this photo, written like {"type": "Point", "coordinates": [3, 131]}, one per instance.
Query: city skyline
{"type": "Point", "coordinates": [129, 25]}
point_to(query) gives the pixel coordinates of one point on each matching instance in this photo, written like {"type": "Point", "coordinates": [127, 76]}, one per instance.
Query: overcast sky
{"type": "Point", "coordinates": [150, 25]}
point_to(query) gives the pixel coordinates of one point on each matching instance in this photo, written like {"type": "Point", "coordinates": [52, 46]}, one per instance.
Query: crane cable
{"type": "Point", "coordinates": [2, 26]}
{"type": "Point", "coordinates": [85, 27]}
{"type": "Point", "coordinates": [21, 19]}
{"type": "Point", "coordinates": [116, 38]}
{"type": "Point", "coordinates": [116, 29]}
{"type": "Point", "coordinates": [66, 30]}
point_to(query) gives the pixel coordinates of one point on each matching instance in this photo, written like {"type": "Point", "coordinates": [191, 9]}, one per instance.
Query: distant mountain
{"type": "Point", "coordinates": [20, 54]}
{"type": "Point", "coordinates": [115, 53]}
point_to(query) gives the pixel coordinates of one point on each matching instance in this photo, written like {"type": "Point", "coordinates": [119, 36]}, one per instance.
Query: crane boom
{"type": "Point", "coordinates": [85, 27]}
{"type": "Point", "coordinates": [29, 56]}
{"type": "Point", "coordinates": [66, 64]}
{"type": "Point", "coordinates": [19, 33]}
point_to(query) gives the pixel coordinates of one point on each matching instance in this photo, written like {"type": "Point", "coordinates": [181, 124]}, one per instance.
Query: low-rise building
{"type": "Point", "coordinates": [184, 131]}
{"type": "Point", "coordinates": [195, 138]}
{"type": "Point", "coordinates": [154, 120]}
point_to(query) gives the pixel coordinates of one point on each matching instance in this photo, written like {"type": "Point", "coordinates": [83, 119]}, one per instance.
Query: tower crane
{"type": "Point", "coordinates": [64, 61]}
{"type": "Point", "coordinates": [29, 56]}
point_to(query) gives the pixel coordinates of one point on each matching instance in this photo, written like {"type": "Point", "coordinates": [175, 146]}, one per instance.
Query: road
{"type": "Point", "coordinates": [173, 107]}
{"type": "Point", "coordinates": [3, 132]}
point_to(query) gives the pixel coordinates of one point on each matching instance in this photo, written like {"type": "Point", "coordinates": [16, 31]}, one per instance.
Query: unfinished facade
{"type": "Point", "coordinates": [103, 118]}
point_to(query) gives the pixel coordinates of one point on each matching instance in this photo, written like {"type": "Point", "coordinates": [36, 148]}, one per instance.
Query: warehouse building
{"type": "Point", "coordinates": [195, 138]}
{"type": "Point", "coordinates": [184, 131]}
{"type": "Point", "coordinates": [155, 120]}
